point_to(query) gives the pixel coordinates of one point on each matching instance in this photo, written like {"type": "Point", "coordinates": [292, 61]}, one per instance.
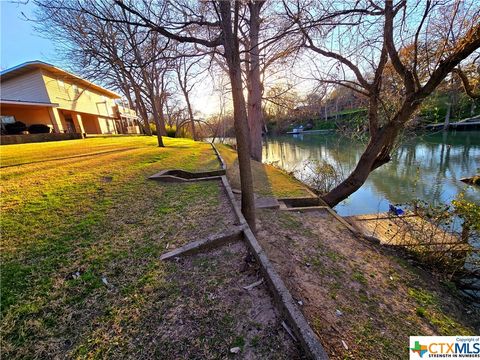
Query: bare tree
{"type": "Point", "coordinates": [125, 56]}
{"type": "Point", "coordinates": [420, 43]}
{"type": "Point", "coordinates": [189, 73]}
{"type": "Point", "coordinates": [208, 24]}
{"type": "Point", "coordinates": [269, 44]}
{"type": "Point", "coordinates": [254, 82]}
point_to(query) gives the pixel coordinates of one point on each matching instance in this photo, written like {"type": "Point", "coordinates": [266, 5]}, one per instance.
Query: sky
{"type": "Point", "coordinates": [18, 40]}
{"type": "Point", "coordinates": [19, 43]}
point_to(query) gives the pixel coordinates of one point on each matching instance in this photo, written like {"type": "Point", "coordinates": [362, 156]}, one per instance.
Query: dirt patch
{"type": "Point", "coordinates": [212, 288]}
{"type": "Point", "coordinates": [201, 312]}
{"type": "Point", "coordinates": [359, 297]}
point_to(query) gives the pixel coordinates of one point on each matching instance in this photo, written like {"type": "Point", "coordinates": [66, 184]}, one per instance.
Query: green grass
{"type": "Point", "coordinates": [87, 206]}
{"type": "Point", "coordinates": [431, 309]}
{"type": "Point", "coordinates": [359, 277]}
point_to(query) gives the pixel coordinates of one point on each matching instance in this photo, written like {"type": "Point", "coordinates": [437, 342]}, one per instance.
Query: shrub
{"type": "Point", "coordinates": [15, 128]}
{"type": "Point", "coordinates": [171, 131]}
{"type": "Point", "coordinates": [322, 175]}
{"type": "Point", "coordinates": [444, 235]}
{"type": "Point", "coordinates": [38, 129]}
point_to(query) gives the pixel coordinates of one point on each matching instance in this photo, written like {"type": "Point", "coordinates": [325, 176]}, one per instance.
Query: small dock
{"type": "Point", "coordinates": [302, 132]}
{"type": "Point", "coordinates": [472, 123]}
{"type": "Point", "coordinates": [407, 230]}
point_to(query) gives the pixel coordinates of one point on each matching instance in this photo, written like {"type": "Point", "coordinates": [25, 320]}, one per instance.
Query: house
{"type": "Point", "coordinates": [39, 93]}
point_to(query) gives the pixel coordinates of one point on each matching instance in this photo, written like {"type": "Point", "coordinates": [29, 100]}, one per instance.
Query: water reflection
{"type": "Point", "coordinates": [427, 167]}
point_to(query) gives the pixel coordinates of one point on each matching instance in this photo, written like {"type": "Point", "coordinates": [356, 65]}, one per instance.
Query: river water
{"type": "Point", "coordinates": [427, 167]}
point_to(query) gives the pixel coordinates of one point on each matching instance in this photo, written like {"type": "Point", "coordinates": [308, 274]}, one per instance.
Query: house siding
{"type": "Point", "coordinates": [75, 97]}
{"type": "Point", "coordinates": [26, 87]}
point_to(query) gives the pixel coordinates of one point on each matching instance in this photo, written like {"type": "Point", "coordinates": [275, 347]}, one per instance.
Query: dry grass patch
{"type": "Point", "coordinates": [357, 292]}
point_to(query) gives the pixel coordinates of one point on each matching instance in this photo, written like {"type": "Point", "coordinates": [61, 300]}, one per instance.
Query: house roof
{"type": "Point", "coordinates": [30, 103]}
{"type": "Point", "coordinates": [37, 64]}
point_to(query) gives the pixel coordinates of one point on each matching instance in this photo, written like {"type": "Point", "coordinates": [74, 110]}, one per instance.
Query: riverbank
{"type": "Point", "coordinates": [359, 297]}
{"type": "Point", "coordinates": [427, 168]}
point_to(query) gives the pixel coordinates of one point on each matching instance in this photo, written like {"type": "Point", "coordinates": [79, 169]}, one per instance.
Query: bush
{"type": "Point", "coordinates": [171, 131]}
{"type": "Point", "coordinates": [15, 128]}
{"type": "Point", "coordinates": [38, 129]}
{"type": "Point", "coordinates": [323, 176]}
{"type": "Point", "coordinates": [444, 235]}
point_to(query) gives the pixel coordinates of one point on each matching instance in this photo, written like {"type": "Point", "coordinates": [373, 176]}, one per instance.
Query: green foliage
{"type": "Point", "coordinates": [445, 233]}
{"type": "Point", "coordinates": [324, 125]}
{"type": "Point", "coordinates": [153, 128]}
{"type": "Point", "coordinates": [469, 212]}
{"type": "Point", "coordinates": [421, 311]}
{"type": "Point", "coordinates": [171, 131]}
{"type": "Point", "coordinates": [434, 108]}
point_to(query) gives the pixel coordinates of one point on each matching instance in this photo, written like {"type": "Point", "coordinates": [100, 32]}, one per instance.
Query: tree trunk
{"type": "Point", "coordinates": [143, 112]}
{"type": "Point", "coordinates": [369, 161]}
{"type": "Point", "coordinates": [190, 113]}
{"type": "Point", "coordinates": [376, 154]}
{"type": "Point", "coordinates": [158, 126]}
{"type": "Point", "coordinates": [158, 119]}
{"type": "Point", "coordinates": [184, 86]}
{"type": "Point", "coordinates": [138, 104]}
{"type": "Point", "coordinates": [446, 125]}
{"type": "Point", "coordinates": [255, 116]}
{"type": "Point", "coordinates": [232, 55]}
{"type": "Point", "coordinates": [161, 115]}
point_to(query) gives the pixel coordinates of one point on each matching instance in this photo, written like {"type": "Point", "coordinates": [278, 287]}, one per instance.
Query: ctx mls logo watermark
{"type": "Point", "coordinates": [445, 347]}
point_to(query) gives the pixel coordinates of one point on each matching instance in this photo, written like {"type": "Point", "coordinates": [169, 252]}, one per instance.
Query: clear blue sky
{"type": "Point", "coordinates": [18, 40]}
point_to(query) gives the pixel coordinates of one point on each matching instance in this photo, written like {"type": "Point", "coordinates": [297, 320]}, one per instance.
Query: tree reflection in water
{"type": "Point", "coordinates": [427, 167]}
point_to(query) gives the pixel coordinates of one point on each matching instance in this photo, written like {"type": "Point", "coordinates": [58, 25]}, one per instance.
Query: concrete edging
{"type": "Point", "coordinates": [219, 157]}
{"type": "Point", "coordinates": [209, 242]}
{"type": "Point", "coordinates": [308, 340]}
{"type": "Point", "coordinates": [285, 302]}
{"type": "Point", "coordinates": [176, 175]}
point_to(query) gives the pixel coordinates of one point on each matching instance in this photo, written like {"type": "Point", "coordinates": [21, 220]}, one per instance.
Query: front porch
{"type": "Point", "coordinates": [63, 121]}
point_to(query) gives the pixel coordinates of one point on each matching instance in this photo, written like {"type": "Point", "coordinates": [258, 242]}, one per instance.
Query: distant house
{"type": "Point", "coordinates": [39, 93]}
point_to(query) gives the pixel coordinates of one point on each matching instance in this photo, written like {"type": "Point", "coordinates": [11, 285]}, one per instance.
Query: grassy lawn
{"type": "Point", "coordinates": [267, 179]}
{"type": "Point", "coordinates": [82, 231]}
